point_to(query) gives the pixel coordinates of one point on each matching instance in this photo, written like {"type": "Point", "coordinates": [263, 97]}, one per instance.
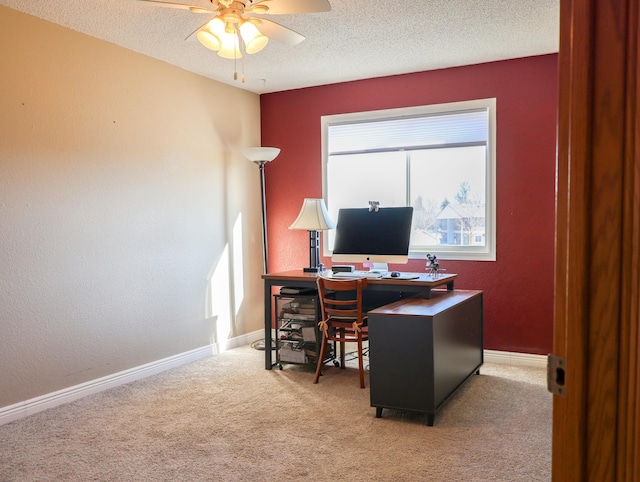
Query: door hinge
{"type": "Point", "coordinates": [556, 374]}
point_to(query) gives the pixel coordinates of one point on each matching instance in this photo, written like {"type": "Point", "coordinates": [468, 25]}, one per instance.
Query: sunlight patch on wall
{"type": "Point", "coordinates": [238, 265]}
{"type": "Point", "coordinates": [220, 306]}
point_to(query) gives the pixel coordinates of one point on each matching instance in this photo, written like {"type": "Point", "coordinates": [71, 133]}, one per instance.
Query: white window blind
{"type": "Point", "coordinates": [411, 132]}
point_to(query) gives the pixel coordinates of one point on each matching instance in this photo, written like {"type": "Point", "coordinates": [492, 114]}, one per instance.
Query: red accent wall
{"type": "Point", "coordinates": [518, 287]}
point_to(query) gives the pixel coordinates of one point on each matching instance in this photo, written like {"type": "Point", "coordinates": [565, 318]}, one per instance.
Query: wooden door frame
{"type": "Point", "coordinates": [596, 427]}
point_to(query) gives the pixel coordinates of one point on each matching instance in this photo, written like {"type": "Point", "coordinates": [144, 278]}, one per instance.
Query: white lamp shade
{"type": "Point", "coordinates": [230, 48]}
{"type": "Point", "coordinates": [261, 154]}
{"type": "Point", "coordinates": [253, 39]}
{"type": "Point", "coordinates": [209, 40]}
{"type": "Point", "coordinates": [210, 34]}
{"type": "Point", "coordinates": [313, 216]}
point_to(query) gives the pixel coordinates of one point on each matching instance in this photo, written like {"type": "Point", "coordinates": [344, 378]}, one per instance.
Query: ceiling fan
{"type": "Point", "coordinates": [234, 27]}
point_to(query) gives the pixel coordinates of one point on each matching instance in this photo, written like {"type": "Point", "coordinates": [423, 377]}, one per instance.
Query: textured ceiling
{"type": "Point", "coordinates": [357, 39]}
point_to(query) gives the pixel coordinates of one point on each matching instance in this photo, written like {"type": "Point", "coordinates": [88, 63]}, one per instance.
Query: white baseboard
{"type": "Point", "coordinates": [29, 407]}
{"type": "Point", "coordinates": [515, 359]}
{"type": "Point", "coordinates": [66, 395]}
{"type": "Point", "coordinates": [243, 340]}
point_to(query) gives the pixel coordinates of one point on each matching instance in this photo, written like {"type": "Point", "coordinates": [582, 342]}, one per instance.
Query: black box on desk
{"type": "Point", "coordinates": [343, 268]}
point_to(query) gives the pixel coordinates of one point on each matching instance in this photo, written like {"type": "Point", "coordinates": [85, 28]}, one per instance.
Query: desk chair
{"type": "Point", "coordinates": [342, 318]}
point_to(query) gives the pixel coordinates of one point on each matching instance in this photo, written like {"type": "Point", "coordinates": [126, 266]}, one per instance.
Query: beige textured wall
{"type": "Point", "coordinates": [125, 203]}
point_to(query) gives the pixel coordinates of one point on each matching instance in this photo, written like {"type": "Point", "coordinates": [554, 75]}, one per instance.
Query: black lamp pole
{"type": "Point", "coordinates": [264, 217]}
{"type": "Point", "coordinates": [261, 156]}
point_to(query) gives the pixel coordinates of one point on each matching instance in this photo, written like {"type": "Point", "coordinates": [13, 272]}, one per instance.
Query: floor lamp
{"type": "Point", "coordinates": [261, 156]}
{"type": "Point", "coordinates": [313, 217]}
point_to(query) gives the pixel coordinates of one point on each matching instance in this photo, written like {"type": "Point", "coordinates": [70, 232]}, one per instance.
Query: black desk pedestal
{"type": "Point", "coordinates": [422, 350]}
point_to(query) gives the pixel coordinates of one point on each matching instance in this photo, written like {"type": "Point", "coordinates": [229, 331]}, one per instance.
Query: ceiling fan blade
{"type": "Point", "coordinates": [283, 7]}
{"type": "Point", "coordinates": [278, 32]}
{"type": "Point", "coordinates": [181, 6]}
{"type": "Point", "coordinates": [196, 30]}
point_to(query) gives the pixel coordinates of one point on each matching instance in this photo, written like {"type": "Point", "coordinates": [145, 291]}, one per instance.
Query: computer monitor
{"type": "Point", "coordinates": [364, 236]}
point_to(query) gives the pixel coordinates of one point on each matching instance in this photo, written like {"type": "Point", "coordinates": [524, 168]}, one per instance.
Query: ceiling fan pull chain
{"type": "Point", "coordinates": [243, 47]}
{"type": "Point", "coordinates": [235, 53]}
{"type": "Point", "coordinates": [242, 60]}
{"type": "Point", "coordinates": [235, 69]}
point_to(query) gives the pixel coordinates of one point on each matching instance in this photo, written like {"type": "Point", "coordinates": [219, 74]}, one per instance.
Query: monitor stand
{"type": "Point", "coordinates": [381, 268]}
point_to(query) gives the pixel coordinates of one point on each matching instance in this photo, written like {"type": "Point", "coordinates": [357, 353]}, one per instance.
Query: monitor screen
{"type": "Point", "coordinates": [364, 236]}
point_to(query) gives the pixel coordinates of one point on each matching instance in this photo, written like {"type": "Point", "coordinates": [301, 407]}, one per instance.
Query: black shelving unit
{"type": "Point", "coordinates": [298, 337]}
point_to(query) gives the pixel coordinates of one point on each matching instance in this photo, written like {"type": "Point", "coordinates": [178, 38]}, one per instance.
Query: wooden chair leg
{"type": "Point", "coordinates": [342, 349]}
{"type": "Point", "coordinates": [360, 361]}
{"type": "Point", "coordinates": [323, 350]}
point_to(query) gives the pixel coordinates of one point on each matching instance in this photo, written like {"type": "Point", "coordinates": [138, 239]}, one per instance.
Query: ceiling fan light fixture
{"type": "Point", "coordinates": [230, 48]}
{"type": "Point", "coordinates": [230, 31]}
{"type": "Point", "coordinates": [210, 35]}
{"type": "Point", "coordinates": [254, 40]}
{"type": "Point", "coordinates": [209, 40]}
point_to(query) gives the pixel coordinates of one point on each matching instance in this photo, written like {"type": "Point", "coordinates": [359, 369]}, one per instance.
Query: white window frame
{"type": "Point", "coordinates": [474, 253]}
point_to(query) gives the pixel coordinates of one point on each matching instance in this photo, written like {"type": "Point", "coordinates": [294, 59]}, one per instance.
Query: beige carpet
{"type": "Point", "coordinates": [228, 419]}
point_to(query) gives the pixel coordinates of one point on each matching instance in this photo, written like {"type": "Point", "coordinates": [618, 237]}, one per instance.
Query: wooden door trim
{"type": "Point", "coordinates": [571, 265]}
{"type": "Point", "coordinates": [628, 465]}
{"type": "Point", "coordinates": [596, 433]}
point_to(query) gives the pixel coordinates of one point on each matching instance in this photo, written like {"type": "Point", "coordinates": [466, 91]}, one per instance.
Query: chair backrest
{"type": "Point", "coordinates": [341, 298]}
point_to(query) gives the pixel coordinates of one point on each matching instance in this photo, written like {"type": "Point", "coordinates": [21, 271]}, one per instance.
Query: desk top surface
{"type": "Point", "coordinates": [424, 279]}
{"type": "Point", "coordinates": [439, 302]}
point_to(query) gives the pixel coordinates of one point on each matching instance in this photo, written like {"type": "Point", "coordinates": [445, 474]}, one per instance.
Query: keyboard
{"type": "Point", "coordinates": [356, 274]}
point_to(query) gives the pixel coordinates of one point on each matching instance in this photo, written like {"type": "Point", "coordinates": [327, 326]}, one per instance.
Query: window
{"type": "Point", "coordinates": [440, 159]}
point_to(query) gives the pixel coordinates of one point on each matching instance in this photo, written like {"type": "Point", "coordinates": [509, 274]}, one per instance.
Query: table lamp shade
{"type": "Point", "coordinates": [313, 216]}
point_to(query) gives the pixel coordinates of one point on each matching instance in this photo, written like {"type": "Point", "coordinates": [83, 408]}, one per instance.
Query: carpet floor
{"type": "Point", "coordinates": [225, 418]}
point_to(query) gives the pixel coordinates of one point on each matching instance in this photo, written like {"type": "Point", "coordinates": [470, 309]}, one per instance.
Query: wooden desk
{"type": "Point", "coordinates": [299, 279]}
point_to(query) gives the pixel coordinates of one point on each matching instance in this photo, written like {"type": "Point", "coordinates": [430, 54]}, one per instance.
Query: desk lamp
{"type": "Point", "coordinates": [261, 156]}
{"type": "Point", "coordinates": [313, 217]}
